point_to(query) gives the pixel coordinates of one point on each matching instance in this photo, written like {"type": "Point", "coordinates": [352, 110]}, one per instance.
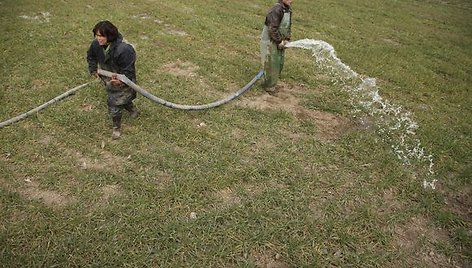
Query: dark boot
{"type": "Point", "coordinates": [116, 134]}
{"type": "Point", "coordinates": [133, 110]}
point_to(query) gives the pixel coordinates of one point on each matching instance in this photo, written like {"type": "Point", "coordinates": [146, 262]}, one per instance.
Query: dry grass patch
{"type": "Point", "coordinates": [39, 84]}
{"type": "Point", "coordinates": [53, 199]}
{"type": "Point", "coordinates": [253, 189]}
{"type": "Point", "coordinates": [181, 68]}
{"type": "Point", "coordinates": [417, 239]}
{"type": "Point", "coordinates": [106, 160]}
{"type": "Point", "coordinates": [330, 126]}
{"type": "Point", "coordinates": [172, 30]}
{"type": "Point", "coordinates": [391, 202]}
{"type": "Point", "coordinates": [461, 202]}
{"type": "Point", "coordinates": [86, 107]}
{"type": "Point", "coordinates": [228, 198]}
{"type": "Point", "coordinates": [107, 193]}
{"type": "Point", "coordinates": [267, 259]}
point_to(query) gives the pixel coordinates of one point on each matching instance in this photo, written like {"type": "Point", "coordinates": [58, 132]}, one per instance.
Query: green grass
{"type": "Point", "coordinates": [301, 183]}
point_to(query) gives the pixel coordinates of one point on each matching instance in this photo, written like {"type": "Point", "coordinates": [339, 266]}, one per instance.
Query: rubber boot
{"type": "Point", "coordinates": [133, 110]}
{"type": "Point", "coordinates": [116, 134]}
{"type": "Point", "coordinates": [134, 113]}
{"type": "Point", "coordinates": [272, 90]}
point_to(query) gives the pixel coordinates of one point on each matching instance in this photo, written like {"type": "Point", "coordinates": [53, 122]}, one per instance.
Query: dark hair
{"type": "Point", "coordinates": [106, 29]}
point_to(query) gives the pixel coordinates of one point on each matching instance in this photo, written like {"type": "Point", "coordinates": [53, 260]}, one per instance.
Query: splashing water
{"type": "Point", "coordinates": [395, 124]}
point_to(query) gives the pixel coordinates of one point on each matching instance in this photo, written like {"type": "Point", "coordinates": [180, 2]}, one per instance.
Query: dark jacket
{"type": "Point", "coordinates": [120, 59]}
{"type": "Point", "coordinates": [273, 20]}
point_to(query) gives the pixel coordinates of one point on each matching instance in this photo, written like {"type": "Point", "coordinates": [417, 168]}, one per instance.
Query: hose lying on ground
{"type": "Point", "coordinates": [39, 108]}
{"type": "Point", "coordinates": [146, 94]}
{"type": "Point", "coordinates": [158, 100]}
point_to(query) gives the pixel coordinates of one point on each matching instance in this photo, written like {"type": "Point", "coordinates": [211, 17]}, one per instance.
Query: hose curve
{"type": "Point", "coordinates": [169, 104]}
{"type": "Point", "coordinates": [143, 92]}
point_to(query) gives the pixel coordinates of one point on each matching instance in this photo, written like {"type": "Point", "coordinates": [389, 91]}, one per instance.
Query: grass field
{"type": "Point", "coordinates": [300, 179]}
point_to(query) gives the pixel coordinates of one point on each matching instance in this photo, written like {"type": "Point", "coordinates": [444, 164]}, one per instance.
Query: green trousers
{"type": "Point", "coordinates": [272, 60]}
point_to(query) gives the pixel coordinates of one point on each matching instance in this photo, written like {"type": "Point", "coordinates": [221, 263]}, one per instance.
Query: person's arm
{"type": "Point", "coordinates": [273, 20]}
{"type": "Point", "coordinates": [125, 59]}
{"type": "Point", "coordinates": [92, 60]}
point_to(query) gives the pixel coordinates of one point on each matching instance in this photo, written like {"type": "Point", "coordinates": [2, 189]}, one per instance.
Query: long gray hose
{"type": "Point", "coordinates": [146, 94]}
{"type": "Point", "coordinates": [39, 108]}
{"type": "Point", "coordinates": [158, 100]}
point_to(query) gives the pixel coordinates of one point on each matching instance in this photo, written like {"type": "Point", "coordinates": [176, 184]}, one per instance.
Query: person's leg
{"type": "Point", "coordinates": [132, 109]}
{"type": "Point", "coordinates": [269, 61]}
{"type": "Point", "coordinates": [115, 113]}
{"type": "Point", "coordinates": [281, 61]}
{"type": "Point", "coordinates": [273, 69]}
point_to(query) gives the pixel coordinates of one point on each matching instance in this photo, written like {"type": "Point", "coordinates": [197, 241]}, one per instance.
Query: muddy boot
{"type": "Point", "coordinates": [133, 110]}
{"type": "Point", "coordinates": [116, 134]}
{"type": "Point", "coordinates": [272, 90]}
{"type": "Point", "coordinates": [134, 113]}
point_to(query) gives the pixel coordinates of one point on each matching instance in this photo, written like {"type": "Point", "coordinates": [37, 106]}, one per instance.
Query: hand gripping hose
{"type": "Point", "coordinates": [158, 100]}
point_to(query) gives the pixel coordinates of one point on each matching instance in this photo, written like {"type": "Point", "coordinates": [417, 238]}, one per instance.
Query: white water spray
{"type": "Point", "coordinates": [395, 124]}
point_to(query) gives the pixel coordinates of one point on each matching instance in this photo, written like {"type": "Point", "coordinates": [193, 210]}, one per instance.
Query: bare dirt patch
{"type": "Point", "coordinates": [417, 239]}
{"type": "Point", "coordinates": [108, 192]}
{"type": "Point", "coordinates": [228, 198]}
{"type": "Point", "coordinates": [363, 123]}
{"type": "Point", "coordinates": [86, 107]}
{"type": "Point", "coordinates": [33, 191]}
{"type": "Point", "coordinates": [39, 84]}
{"type": "Point", "coordinates": [175, 31]}
{"type": "Point", "coordinates": [181, 68]}
{"type": "Point", "coordinates": [29, 188]}
{"type": "Point", "coordinates": [105, 160]}
{"type": "Point", "coordinates": [391, 41]}
{"type": "Point", "coordinates": [40, 17]}
{"type": "Point", "coordinates": [391, 202]}
{"type": "Point", "coordinates": [98, 159]}
{"type": "Point", "coordinates": [143, 16]}
{"type": "Point", "coordinates": [259, 188]}
{"type": "Point", "coordinates": [45, 140]}
{"type": "Point", "coordinates": [318, 212]}
{"type": "Point", "coordinates": [238, 134]}
{"type": "Point", "coordinates": [201, 91]}
{"type": "Point", "coordinates": [261, 144]}
{"type": "Point", "coordinates": [330, 126]}
{"type": "Point", "coordinates": [170, 29]}
{"type": "Point", "coordinates": [268, 259]}
{"type": "Point", "coordinates": [461, 202]}
{"type": "Point", "coordinates": [105, 195]}
{"type": "Point", "coordinates": [160, 178]}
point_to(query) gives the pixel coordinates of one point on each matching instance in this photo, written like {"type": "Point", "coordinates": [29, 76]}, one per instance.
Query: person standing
{"type": "Point", "coordinates": [108, 52]}
{"type": "Point", "coordinates": [274, 37]}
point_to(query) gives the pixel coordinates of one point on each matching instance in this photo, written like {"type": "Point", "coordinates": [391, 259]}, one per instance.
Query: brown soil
{"type": "Point", "coordinates": [330, 126]}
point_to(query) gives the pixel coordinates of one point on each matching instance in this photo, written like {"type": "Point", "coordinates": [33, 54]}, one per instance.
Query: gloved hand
{"type": "Point", "coordinates": [282, 44]}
